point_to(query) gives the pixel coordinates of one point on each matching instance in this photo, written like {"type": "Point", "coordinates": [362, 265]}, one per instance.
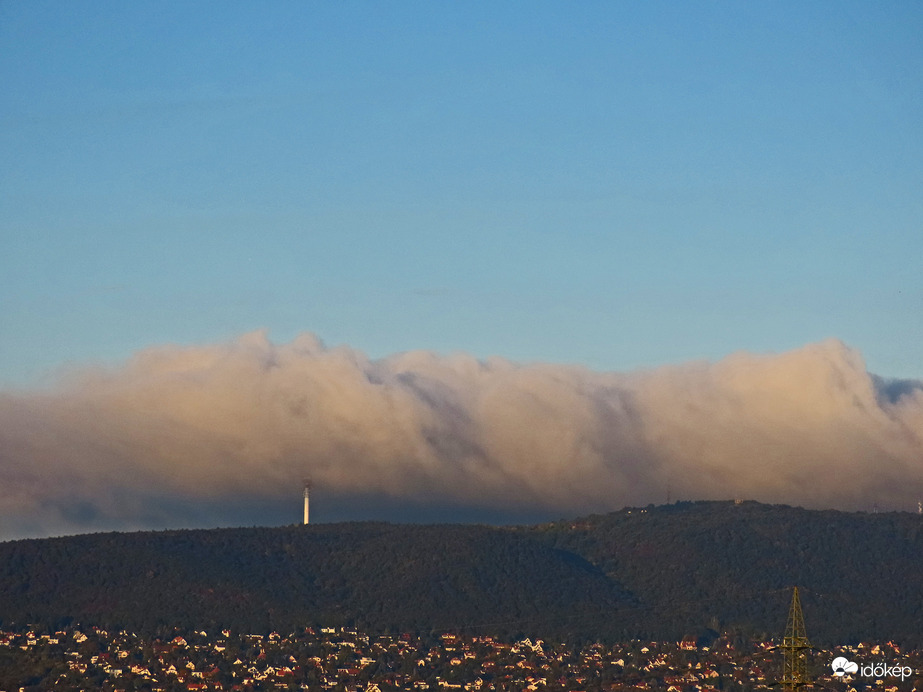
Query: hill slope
{"type": "Point", "coordinates": [660, 572]}
{"type": "Point", "coordinates": [722, 564]}
{"type": "Point", "coordinates": [375, 576]}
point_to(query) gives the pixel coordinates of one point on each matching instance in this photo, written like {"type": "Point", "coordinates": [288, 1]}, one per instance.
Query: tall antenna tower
{"type": "Point", "coordinates": [794, 645]}
{"type": "Point", "coordinates": [307, 500]}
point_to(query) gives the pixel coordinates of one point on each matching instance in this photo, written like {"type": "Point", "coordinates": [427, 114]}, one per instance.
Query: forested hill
{"type": "Point", "coordinates": [659, 572]}
{"type": "Point", "coordinates": [722, 564]}
{"type": "Point", "coordinates": [374, 576]}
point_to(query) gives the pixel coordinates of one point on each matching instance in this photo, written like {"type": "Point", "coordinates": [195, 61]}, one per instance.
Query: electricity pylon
{"type": "Point", "coordinates": [794, 645]}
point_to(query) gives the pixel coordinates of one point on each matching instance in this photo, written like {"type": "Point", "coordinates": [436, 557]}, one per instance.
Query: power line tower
{"type": "Point", "coordinates": [795, 644]}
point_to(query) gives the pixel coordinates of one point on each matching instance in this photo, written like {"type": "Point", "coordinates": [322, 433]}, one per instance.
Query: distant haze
{"type": "Point", "coordinates": [223, 434]}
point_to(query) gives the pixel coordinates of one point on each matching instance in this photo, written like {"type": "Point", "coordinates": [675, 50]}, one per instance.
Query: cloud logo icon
{"type": "Point", "coordinates": [842, 666]}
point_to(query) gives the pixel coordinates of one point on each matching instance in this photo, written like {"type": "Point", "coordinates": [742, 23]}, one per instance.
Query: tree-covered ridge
{"type": "Point", "coordinates": [380, 576]}
{"type": "Point", "coordinates": [658, 572]}
{"type": "Point", "coordinates": [726, 564]}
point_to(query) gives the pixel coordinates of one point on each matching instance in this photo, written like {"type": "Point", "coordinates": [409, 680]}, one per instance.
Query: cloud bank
{"type": "Point", "coordinates": [206, 435]}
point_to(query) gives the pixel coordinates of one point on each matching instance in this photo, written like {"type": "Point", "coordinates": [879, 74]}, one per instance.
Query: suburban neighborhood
{"type": "Point", "coordinates": [346, 660]}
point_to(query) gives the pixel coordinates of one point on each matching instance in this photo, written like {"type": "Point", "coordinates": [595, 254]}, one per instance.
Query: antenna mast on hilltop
{"type": "Point", "coordinates": [794, 645]}
{"type": "Point", "coordinates": [307, 499]}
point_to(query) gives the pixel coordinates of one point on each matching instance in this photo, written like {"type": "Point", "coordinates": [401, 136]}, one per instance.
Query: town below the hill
{"type": "Point", "coordinates": [348, 660]}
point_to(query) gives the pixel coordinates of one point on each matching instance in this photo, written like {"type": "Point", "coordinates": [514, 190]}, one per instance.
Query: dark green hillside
{"type": "Point", "coordinates": [662, 572]}
{"type": "Point", "coordinates": [722, 565]}
{"type": "Point", "coordinates": [376, 576]}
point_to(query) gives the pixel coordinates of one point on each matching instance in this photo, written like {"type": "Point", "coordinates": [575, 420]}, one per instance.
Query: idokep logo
{"type": "Point", "coordinates": [843, 666]}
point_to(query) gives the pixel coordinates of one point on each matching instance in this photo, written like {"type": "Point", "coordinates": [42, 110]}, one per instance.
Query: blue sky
{"type": "Point", "coordinates": [619, 185]}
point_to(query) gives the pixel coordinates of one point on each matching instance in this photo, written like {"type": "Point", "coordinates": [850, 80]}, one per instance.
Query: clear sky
{"type": "Point", "coordinates": [618, 185]}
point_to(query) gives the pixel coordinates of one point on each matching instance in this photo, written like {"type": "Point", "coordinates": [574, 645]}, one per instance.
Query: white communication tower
{"type": "Point", "coordinates": [307, 500]}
